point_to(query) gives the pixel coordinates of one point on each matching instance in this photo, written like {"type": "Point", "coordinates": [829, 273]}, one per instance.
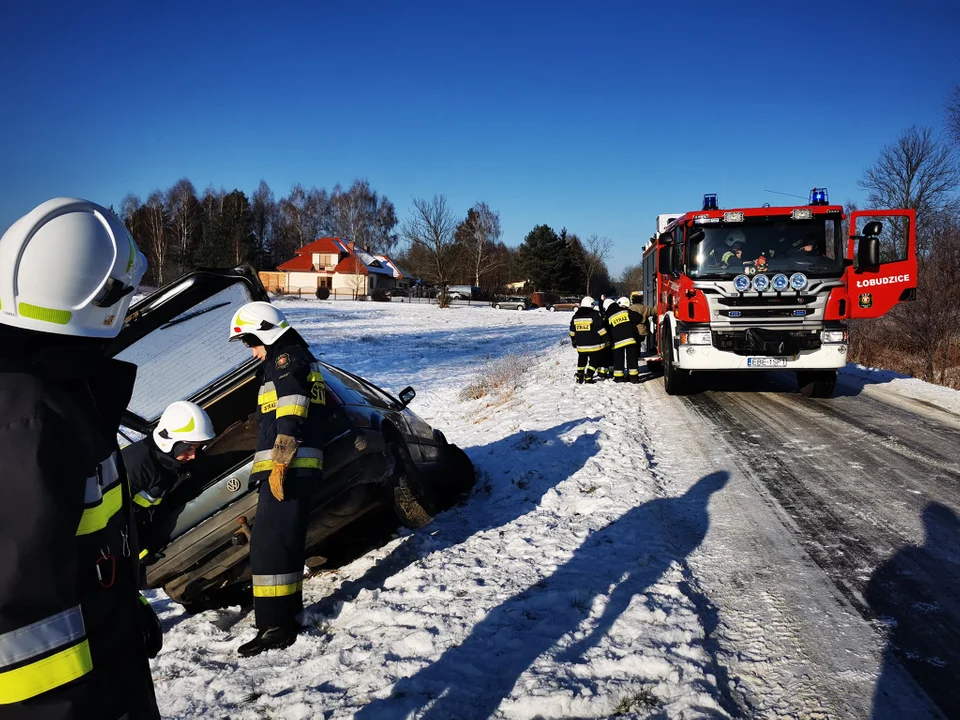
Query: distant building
{"type": "Point", "coordinates": [338, 264]}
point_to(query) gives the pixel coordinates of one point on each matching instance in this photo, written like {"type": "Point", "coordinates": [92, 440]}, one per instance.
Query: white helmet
{"type": "Point", "coordinates": [588, 302]}
{"type": "Point", "coordinates": [68, 267]}
{"type": "Point", "coordinates": [182, 422]}
{"type": "Point", "coordinates": [260, 319]}
{"type": "Point", "coordinates": [607, 303]}
{"type": "Point", "coordinates": [736, 236]}
{"type": "Point", "coordinates": [623, 302]}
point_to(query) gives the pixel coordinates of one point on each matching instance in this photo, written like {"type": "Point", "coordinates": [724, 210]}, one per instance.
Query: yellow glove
{"type": "Point", "coordinates": [277, 475]}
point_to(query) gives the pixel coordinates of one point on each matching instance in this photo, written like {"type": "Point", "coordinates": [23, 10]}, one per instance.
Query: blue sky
{"type": "Point", "coordinates": [593, 116]}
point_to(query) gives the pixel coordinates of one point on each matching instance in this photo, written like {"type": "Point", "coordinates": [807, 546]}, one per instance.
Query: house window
{"type": "Point", "coordinates": [324, 282]}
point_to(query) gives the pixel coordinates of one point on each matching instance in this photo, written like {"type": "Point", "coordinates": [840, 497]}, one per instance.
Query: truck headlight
{"type": "Point", "coordinates": [697, 337]}
{"type": "Point", "coordinates": [833, 336]}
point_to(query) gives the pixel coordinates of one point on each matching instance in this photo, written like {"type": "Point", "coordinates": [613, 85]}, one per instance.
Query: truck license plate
{"type": "Point", "coordinates": [766, 362]}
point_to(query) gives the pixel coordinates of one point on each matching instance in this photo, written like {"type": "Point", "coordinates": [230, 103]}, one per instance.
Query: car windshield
{"type": "Point", "coordinates": [185, 355]}
{"type": "Point", "coordinates": [812, 246]}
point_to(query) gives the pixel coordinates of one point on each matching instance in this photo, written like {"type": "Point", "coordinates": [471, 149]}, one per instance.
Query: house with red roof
{"type": "Point", "coordinates": [340, 265]}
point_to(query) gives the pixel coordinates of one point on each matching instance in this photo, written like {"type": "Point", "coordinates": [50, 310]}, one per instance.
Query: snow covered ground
{"type": "Point", "coordinates": [602, 567]}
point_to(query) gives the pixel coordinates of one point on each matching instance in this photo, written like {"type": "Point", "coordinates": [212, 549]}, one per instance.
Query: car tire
{"type": "Point", "coordinates": [412, 501]}
{"type": "Point", "coordinates": [456, 479]}
{"type": "Point", "coordinates": [497, 306]}
{"type": "Point", "coordinates": [552, 309]}
{"type": "Point", "coordinates": [519, 307]}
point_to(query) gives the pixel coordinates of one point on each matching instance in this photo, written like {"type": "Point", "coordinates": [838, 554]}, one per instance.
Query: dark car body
{"type": "Point", "coordinates": [567, 303]}
{"type": "Point", "coordinates": [378, 453]}
{"type": "Point", "coordinates": [513, 302]}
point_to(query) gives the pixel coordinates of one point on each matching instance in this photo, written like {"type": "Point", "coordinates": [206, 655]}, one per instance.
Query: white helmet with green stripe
{"type": "Point", "coordinates": [182, 422]}
{"type": "Point", "coordinates": [68, 267]}
{"type": "Point", "coordinates": [258, 319]}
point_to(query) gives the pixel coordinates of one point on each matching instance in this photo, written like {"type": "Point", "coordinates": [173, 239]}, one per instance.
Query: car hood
{"type": "Point", "coordinates": [177, 337]}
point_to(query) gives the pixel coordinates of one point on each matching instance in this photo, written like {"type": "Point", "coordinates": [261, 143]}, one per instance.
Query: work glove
{"type": "Point", "coordinates": [151, 628]}
{"type": "Point", "coordinates": [284, 450]}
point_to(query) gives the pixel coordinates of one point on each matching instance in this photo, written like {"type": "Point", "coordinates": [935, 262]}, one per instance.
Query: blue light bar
{"type": "Point", "coordinates": [818, 196]}
{"type": "Point", "coordinates": [710, 201]}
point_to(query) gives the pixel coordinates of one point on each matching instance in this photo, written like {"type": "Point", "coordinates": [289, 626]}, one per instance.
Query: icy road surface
{"type": "Point", "coordinates": [744, 552]}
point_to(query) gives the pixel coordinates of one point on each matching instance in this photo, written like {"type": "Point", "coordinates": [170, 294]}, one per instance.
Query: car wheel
{"type": "Point", "coordinates": [497, 306]}
{"type": "Point", "coordinates": [456, 479]}
{"type": "Point", "coordinates": [411, 498]}
{"type": "Point", "coordinates": [519, 307]}
{"type": "Point", "coordinates": [552, 309]}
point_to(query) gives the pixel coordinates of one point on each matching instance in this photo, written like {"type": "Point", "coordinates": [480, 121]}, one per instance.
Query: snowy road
{"type": "Point", "coordinates": [869, 482]}
{"type": "Point", "coordinates": [744, 552]}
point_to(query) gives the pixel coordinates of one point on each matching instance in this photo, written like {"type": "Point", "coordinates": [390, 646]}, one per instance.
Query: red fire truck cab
{"type": "Point", "coordinates": [771, 288]}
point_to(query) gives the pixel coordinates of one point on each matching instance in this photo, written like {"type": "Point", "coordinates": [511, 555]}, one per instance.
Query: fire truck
{"type": "Point", "coordinates": [772, 288]}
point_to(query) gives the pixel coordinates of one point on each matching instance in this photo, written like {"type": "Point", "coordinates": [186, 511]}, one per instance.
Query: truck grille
{"type": "Point", "coordinates": [757, 341]}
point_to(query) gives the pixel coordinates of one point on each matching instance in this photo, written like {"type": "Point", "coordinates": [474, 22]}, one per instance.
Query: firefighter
{"type": "Point", "coordinates": [75, 634]}
{"type": "Point", "coordinates": [623, 336]}
{"type": "Point", "coordinates": [291, 419]}
{"type": "Point", "coordinates": [736, 241]}
{"type": "Point", "coordinates": [605, 357]}
{"type": "Point", "coordinates": [588, 334]}
{"type": "Point", "coordinates": [640, 314]}
{"type": "Point", "coordinates": [154, 463]}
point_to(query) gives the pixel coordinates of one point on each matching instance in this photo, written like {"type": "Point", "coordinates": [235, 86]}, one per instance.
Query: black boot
{"type": "Point", "coordinates": [619, 378]}
{"type": "Point", "coordinates": [635, 379]}
{"type": "Point", "coordinates": [579, 378]}
{"type": "Point", "coordinates": [274, 638]}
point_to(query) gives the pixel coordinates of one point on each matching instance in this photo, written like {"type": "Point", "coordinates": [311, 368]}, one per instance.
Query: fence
{"type": "Point", "coordinates": [336, 294]}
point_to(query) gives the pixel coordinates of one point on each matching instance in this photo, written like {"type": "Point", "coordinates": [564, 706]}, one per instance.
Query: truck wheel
{"type": "Point", "coordinates": [455, 480]}
{"type": "Point", "coordinates": [817, 383]}
{"type": "Point", "coordinates": [412, 501]}
{"type": "Point", "coordinates": [675, 380]}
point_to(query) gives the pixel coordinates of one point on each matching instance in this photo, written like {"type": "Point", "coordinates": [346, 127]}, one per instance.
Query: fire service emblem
{"type": "Point", "coordinates": [866, 300]}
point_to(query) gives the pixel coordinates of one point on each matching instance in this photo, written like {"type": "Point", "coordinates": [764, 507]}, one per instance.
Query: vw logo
{"type": "Point", "coordinates": [233, 484]}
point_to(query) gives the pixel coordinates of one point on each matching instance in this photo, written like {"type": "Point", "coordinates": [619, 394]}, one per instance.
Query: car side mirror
{"type": "Point", "coordinates": [407, 395]}
{"type": "Point", "coordinates": [868, 253]}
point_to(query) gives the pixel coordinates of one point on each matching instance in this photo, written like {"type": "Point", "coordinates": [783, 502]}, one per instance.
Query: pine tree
{"type": "Point", "coordinates": [542, 258]}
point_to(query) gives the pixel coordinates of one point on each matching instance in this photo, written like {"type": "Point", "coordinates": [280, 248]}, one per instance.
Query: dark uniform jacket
{"type": "Point", "coordinates": [587, 330]}
{"type": "Point", "coordinates": [291, 401]}
{"type": "Point", "coordinates": [152, 472]}
{"type": "Point", "coordinates": [71, 643]}
{"type": "Point", "coordinates": [623, 327]}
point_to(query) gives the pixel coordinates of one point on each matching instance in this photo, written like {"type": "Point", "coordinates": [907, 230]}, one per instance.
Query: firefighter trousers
{"type": "Point", "coordinates": [604, 362]}
{"type": "Point", "coordinates": [587, 362]}
{"type": "Point", "coordinates": [277, 549]}
{"type": "Point", "coordinates": [626, 356]}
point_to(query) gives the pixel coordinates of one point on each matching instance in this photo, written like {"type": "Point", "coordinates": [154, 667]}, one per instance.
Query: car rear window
{"type": "Point", "coordinates": [187, 354]}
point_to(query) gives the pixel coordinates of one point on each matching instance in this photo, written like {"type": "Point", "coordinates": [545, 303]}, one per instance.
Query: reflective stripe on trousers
{"type": "Point", "coordinates": [43, 655]}
{"type": "Point", "coordinates": [277, 585]}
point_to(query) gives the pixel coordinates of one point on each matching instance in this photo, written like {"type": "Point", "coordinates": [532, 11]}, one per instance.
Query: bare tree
{"type": "Point", "coordinates": [478, 234]}
{"type": "Point", "coordinates": [595, 252]}
{"type": "Point", "coordinates": [916, 172]}
{"type": "Point", "coordinates": [364, 216]}
{"type": "Point", "coordinates": [184, 211]}
{"type": "Point", "coordinates": [157, 233]}
{"type": "Point", "coordinates": [430, 232]}
{"type": "Point", "coordinates": [953, 114]}
{"type": "Point", "coordinates": [263, 211]}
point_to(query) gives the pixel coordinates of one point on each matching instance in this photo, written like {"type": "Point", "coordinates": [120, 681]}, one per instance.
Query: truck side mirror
{"type": "Point", "coordinates": [868, 252]}
{"type": "Point", "coordinates": [665, 265]}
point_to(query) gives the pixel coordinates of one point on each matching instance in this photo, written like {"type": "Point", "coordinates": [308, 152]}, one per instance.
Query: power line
{"type": "Point", "coordinates": [775, 192]}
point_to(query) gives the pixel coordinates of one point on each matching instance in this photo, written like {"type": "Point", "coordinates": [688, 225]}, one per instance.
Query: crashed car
{"type": "Point", "coordinates": [378, 455]}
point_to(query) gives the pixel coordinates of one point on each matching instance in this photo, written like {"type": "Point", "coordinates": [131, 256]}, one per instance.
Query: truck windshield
{"type": "Point", "coordinates": [812, 246]}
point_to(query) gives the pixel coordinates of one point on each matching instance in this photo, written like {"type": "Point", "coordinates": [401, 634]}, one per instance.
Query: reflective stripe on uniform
{"type": "Point", "coordinates": [293, 405]}
{"type": "Point", "coordinates": [315, 373]}
{"type": "Point", "coordinates": [103, 498]}
{"type": "Point", "coordinates": [590, 348]}
{"type": "Point", "coordinates": [624, 343]}
{"type": "Point", "coordinates": [277, 585]}
{"type": "Point", "coordinates": [268, 393]}
{"type": "Point", "coordinates": [602, 331]}
{"type": "Point", "coordinates": [634, 372]}
{"type": "Point", "coordinates": [618, 373]}
{"type": "Point", "coordinates": [145, 499]}
{"type": "Point", "coordinates": [39, 638]}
